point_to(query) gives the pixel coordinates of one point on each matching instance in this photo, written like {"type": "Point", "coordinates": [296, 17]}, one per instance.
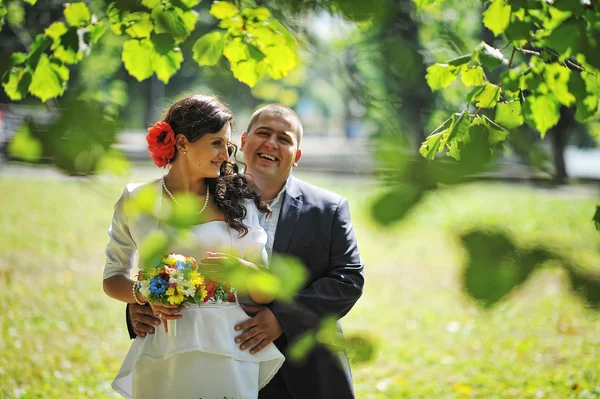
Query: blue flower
{"type": "Point", "coordinates": [180, 265]}
{"type": "Point", "coordinates": [158, 286]}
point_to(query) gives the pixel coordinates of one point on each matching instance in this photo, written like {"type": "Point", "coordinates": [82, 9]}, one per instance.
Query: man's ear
{"type": "Point", "coordinates": [244, 135]}
{"type": "Point", "coordinates": [298, 155]}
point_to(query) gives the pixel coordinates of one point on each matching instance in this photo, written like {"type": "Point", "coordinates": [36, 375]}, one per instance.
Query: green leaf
{"type": "Point", "coordinates": [246, 72]}
{"type": "Point", "coordinates": [489, 56]}
{"type": "Point", "coordinates": [190, 3]}
{"type": "Point", "coordinates": [209, 48]}
{"type": "Point", "coordinates": [56, 30]}
{"type": "Point", "coordinates": [488, 97]}
{"type": "Point", "coordinates": [236, 51]}
{"type": "Point", "coordinates": [279, 60]}
{"type": "Point", "coordinates": [3, 12]}
{"type": "Point", "coordinates": [32, 2]}
{"type": "Point", "coordinates": [166, 59]}
{"type": "Point", "coordinates": [49, 79]}
{"type": "Point", "coordinates": [392, 206]}
{"type": "Point", "coordinates": [234, 25]}
{"type": "Point", "coordinates": [301, 347]}
{"type": "Point", "coordinates": [96, 32]}
{"type": "Point", "coordinates": [457, 134]}
{"type": "Point", "coordinates": [169, 21]}
{"type": "Point", "coordinates": [77, 14]}
{"type": "Point", "coordinates": [18, 82]}
{"type": "Point", "coordinates": [223, 9]}
{"type": "Point", "coordinates": [432, 143]}
{"type": "Point", "coordinates": [137, 58]}
{"type": "Point", "coordinates": [189, 19]}
{"type": "Point", "coordinates": [290, 274]}
{"type": "Point", "coordinates": [566, 39]}
{"type": "Point", "coordinates": [586, 103]}
{"type": "Point", "coordinates": [557, 79]}
{"type": "Point", "coordinates": [518, 30]}
{"type": "Point", "coordinates": [440, 76]}
{"type": "Point", "coordinates": [496, 133]}
{"type": "Point", "coordinates": [139, 25]}
{"type": "Point", "coordinates": [24, 146]}
{"type": "Point", "coordinates": [495, 266]}
{"type": "Point", "coordinates": [18, 58]}
{"type": "Point", "coordinates": [544, 112]}
{"type": "Point", "coordinates": [259, 13]}
{"type": "Point", "coordinates": [151, 4]}
{"type": "Point", "coordinates": [473, 77]}
{"type": "Point", "coordinates": [497, 17]}
{"type": "Point", "coordinates": [264, 35]}
{"type": "Point", "coordinates": [509, 114]}
{"type": "Point", "coordinates": [15, 14]}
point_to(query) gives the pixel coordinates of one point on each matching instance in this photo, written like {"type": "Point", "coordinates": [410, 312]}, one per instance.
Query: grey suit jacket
{"type": "Point", "coordinates": [315, 227]}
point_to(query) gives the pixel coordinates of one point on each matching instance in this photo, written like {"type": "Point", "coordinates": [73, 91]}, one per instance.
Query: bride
{"type": "Point", "coordinates": [202, 361]}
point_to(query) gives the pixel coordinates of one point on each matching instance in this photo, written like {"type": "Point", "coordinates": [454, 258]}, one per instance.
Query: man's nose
{"type": "Point", "coordinates": [271, 141]}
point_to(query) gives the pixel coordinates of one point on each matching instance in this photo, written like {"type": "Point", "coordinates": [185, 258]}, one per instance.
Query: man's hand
{"type": "Point", "coordinates": [261, 330]}
{"type": "Point", "coordinates": [142, 319]}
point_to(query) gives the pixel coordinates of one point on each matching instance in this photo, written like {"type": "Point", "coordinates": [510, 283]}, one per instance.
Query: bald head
{"type": "Point", "coordinates": [278, 110]}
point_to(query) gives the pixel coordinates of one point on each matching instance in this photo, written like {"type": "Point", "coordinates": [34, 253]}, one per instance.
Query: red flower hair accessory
{"type": "Point", "coordinates": [161, 143]}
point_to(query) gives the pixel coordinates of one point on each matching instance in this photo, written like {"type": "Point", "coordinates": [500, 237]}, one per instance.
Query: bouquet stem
{"type": "Point", "coordinates": [172, 328]}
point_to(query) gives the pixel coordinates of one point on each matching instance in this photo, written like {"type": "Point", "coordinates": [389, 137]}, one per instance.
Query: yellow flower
{"type": "Point", "coordinates": [176, 297]}
{"type": "Point", "coordinates": [202, 293]}
{"type": "Point", "coordinates": [196, 278]}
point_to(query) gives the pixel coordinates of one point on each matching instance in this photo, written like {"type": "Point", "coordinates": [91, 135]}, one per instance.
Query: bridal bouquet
{"type": "Point", "coordinates": [176, 280]}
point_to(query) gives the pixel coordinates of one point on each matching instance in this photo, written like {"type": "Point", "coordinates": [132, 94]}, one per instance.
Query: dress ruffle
{"type": "Point", "coordinates": [208, 329]}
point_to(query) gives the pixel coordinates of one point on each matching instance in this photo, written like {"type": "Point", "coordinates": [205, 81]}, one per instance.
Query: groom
{"type": "Point", "coordinates": [308, 223]}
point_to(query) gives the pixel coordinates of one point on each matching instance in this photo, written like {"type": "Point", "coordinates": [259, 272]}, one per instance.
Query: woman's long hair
{"type": "Point", "coordinates": [195, 116]}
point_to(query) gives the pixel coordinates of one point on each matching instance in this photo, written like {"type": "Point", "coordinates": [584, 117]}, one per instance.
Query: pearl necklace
{"type": "Point", "coordinates": [177, 202]}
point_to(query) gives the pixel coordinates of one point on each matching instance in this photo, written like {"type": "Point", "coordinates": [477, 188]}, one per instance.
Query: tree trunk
{"type": "Point", "coordinates": [560, 138]}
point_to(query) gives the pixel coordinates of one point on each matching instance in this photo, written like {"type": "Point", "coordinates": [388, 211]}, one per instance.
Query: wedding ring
{"type": "Point", "coordinates": [135, 324]}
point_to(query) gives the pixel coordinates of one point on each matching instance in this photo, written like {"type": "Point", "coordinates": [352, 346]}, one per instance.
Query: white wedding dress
{"type": "Point", "coordinates": [203, 360]}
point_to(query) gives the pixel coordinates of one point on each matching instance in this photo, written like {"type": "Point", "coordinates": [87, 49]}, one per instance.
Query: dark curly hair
{"type": "Point", "coordinates": [197, 115]}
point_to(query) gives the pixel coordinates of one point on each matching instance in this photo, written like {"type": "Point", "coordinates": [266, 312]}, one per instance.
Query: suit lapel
{"type": "Point", "coordinates": [290, 210]}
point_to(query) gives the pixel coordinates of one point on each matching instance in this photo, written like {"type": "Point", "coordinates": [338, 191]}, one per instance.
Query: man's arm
{"type": "Point", "coordinates": [140, 320]}
{"type": "Point", "coordinates": [331, 295]}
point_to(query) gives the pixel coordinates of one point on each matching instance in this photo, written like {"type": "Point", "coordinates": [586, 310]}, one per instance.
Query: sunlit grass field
{"type": "Point", "coordinates": [62, 337]}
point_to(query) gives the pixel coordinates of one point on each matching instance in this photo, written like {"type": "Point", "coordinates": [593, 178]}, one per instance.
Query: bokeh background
{"type": "Point", "coordinates": [482, 286]}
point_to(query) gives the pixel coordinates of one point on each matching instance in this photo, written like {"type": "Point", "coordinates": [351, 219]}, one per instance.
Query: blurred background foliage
{"type": "Point", "coordinates": [407, 79]}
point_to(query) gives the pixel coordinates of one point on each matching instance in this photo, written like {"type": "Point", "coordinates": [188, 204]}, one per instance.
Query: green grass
{"type": "Point", "coordinates": [62, 337]}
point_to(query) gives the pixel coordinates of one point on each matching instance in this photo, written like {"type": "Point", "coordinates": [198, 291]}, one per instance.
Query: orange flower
{"type": "Point", "coordinates": [161, 143]}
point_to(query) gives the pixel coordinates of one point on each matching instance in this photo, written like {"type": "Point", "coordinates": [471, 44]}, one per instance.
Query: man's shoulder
{"type": "Point", "coordinates": [312, 193]}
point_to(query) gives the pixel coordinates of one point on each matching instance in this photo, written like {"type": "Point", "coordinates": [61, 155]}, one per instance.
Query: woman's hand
{"type": "Point", "coordinates": [166, 312]}
{"type": "Point", "coordinates": [220, 258]}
